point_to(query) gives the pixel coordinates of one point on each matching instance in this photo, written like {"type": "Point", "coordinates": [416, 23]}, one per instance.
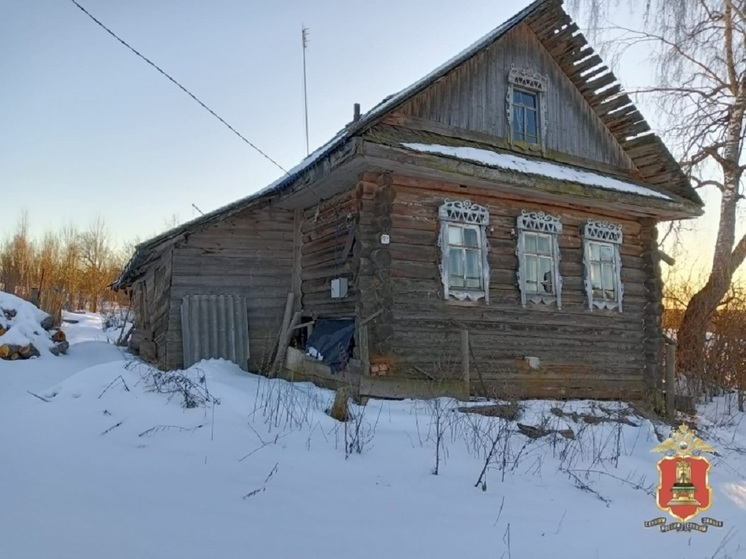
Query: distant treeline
{"type": "Point", "coordinates": [67, 269]}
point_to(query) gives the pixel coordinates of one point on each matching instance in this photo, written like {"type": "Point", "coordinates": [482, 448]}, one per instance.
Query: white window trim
{"type": "Point", "coordinates": [535, 82]}
{"type": "Point", "coordinates": [466, 214]}
{"type": "Point", "coordinates": [610, 234]}
{"type": "Point", "coordinates": [539, 222]}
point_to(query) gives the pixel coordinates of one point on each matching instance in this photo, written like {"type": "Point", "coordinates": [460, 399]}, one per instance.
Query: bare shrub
{"type": "Point", "coordinates": [358, 432]}
{"type": "Point", "coordinates": [189, 386]}
{"type": "Point", "coordinates": [285, 405]}
{"type": "Point", "coordinates": [443, 415]}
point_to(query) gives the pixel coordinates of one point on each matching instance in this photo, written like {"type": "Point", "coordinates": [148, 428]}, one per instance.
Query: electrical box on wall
{"type": "Point", "coordinates": [339, 288]}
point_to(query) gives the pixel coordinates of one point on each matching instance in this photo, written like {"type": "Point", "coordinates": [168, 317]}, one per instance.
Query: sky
{"type": "Point", "coordinates": [89, 130]}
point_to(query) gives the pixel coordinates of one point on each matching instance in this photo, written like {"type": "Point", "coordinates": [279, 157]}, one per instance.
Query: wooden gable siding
{"type": "Point", "coordinates": [582, 353]}
{"type": "Point", "coordinates": [248, 254]}
{"type": "Point", "coordinates": [151, 301]}
{"type": "Point", "coordinates": [473, 97]}
{"type": "Point", "coordinates": [326, 229]}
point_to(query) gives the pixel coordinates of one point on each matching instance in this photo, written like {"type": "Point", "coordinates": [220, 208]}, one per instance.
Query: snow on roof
{"type": "Point", "coordinates": [534, 167]}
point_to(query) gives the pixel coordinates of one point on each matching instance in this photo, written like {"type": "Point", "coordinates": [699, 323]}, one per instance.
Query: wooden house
{"type": "Point", "coordinates": [489, 229]}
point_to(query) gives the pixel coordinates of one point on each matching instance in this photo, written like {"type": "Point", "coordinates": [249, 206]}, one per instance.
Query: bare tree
{"type": "Point", "coordinates": [699, 47]}
{"type": "Point", "coordinates": [95, 252]}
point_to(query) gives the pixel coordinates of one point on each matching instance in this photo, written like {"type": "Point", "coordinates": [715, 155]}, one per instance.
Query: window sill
{"type": "Point", "coordinates": [605, 305]}
{"type": "Point", "coordinates": [466, 296]}
{"type": "Point", "coordinates": [527, 147]}
{"type": "Point", "coordinates": [541, 299]}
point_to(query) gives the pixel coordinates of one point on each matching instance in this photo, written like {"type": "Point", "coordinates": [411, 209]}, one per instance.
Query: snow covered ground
{"type": "Point", "coordinates": [108, 468]}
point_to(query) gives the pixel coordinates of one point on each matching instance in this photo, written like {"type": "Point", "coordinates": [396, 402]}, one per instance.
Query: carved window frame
{"type": "Point", "coordinates": [607, 234]}
{"type": "Point", "coordinates": [546, 224]}
{"type": "Point", "coordinates": [466, 214]}
{"type": "Point", "coordinates": [530, 80]}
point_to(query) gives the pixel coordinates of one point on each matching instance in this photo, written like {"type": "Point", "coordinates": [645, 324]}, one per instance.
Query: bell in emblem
{"type": "Point", "coordinates": [683, 490]}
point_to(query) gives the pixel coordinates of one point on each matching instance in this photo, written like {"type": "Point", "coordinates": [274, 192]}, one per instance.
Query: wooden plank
{"type": "Point", "coordinates": [295, 285]}
{"type": "Point", "coordinates": [364, 348]}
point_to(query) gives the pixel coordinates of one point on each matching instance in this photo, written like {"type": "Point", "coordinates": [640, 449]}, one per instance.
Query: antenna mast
{"type": "Point", "coordinates": [304, 36]}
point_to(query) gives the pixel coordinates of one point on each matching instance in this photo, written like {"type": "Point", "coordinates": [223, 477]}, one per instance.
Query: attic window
{"type": "Point", "coordinates": [603, 263]}
{"type": "Point", "coordinates": [526, 106]}
{"type": "Point", "coordinates": [463, 243]}
{"type": "Point", "coordinates": [538, 258]}
{"type": "Point", "coordinates": [525, 116]}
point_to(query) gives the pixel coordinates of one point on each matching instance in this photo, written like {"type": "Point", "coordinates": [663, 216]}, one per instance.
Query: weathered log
{"type": "Point", "coordinates": [339, 409]}
{"type": "Point", "coordinates": [28, 351]}
{"type": "Point", "coordinates": [8, 350]}
{"type": "Point", "coordinates": [60, 348]}
{"type": "Point", "coordinates": [59, 336]}
{"type": "Point", "coordinates": [47, 323]}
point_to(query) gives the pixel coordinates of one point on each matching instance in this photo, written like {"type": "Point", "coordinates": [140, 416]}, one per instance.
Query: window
{"type": "Point", "coordinates": [603, 284]}
{"type": "Point", "coordinates": [463, 242]}
{"type": "Point", "coordinates": [525, 116]}
{"type": "Point", "coordinates": [526, 109]}
{"type": "Point", "coordinates": [538, 258]}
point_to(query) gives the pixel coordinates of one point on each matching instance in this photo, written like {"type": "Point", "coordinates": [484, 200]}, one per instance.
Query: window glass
{"type": "Point", "coordinates": [525, 116]}
{"type": "Point", "coordinates": [464, 257]}
{"type": "Point", "coordinates": [471, 239]}
{"type": "Point", "coordinates": [530, 243]}
{"type": "Point", "coordinates": [456, 267]}
{"type": "Point", "coordinates": [602, 270]}
{"type": "Point", "coordinates": [464, 270]}
{"type": "Point", "coordinates": [454, 235]}
{"type": "Point", "coordinates": [538, 263]}
{"type": "Point", "coordinates": [544, 245]}
{"type": "Point", "coordinates": [472, 263]}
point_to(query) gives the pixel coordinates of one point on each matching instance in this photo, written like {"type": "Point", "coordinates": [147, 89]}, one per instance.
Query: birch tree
{"type": "Point", "coordinates": [699, 49]}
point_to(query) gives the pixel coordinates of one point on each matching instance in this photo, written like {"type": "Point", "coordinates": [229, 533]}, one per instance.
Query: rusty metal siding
{"type": "Point", "coordinates": [215, 326]}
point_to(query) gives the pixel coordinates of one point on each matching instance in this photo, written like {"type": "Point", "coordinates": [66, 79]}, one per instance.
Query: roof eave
{"type": "Point", "coordinates": [469, 173]}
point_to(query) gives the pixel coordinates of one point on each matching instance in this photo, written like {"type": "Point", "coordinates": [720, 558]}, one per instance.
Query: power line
{"type": "Point", "coordinates": [184, 89]}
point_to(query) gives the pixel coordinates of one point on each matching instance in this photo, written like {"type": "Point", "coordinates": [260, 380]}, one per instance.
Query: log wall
{"type": "Point", "coordinates": [599, 353]}
{"type": "Point", "coordinates": [376, 300]}
{"type": "Point", "coordinates": [151, 302]}
{"type": "Point", "coordinates": [249, 254]}
{"type": "Point", "coordinates": [328, 239]}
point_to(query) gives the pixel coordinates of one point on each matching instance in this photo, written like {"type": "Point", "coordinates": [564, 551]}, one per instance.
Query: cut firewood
{"type": "Point", "coordinates": [8, 350]}
{"type": "Point", "coordinates": [47, 323]}
{"type": "Point", "coordinates": [58, 336]}
{"type": "Point", "coordinates": [29, 351]}
{"type": "Point", "coordinates": [61, 347]}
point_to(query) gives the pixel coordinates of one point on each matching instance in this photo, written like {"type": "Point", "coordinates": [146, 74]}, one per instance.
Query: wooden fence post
{"type": "Point", "coordinates": [670, 380]}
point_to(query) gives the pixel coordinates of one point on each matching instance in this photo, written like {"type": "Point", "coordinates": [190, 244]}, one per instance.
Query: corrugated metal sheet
{"type": "Point", "coordinates": [215, 326]}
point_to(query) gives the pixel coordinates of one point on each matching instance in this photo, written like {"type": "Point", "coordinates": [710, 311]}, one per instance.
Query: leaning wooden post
{"type": "Point", "coordinates": [465, 358]}
{"type": "Point", "coordinates": [670, 380]}
{"type": "Point", "coordinates": [284, 329]}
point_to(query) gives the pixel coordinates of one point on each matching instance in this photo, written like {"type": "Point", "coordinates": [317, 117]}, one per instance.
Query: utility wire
{"type": "Point", "coordinates": [184, 89]}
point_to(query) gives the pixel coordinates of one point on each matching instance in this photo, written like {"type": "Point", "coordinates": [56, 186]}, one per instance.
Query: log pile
{"type": "Point", "coordinates": [23, 338]}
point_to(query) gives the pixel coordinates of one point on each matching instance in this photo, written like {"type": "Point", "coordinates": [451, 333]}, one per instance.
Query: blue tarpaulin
{"type": "Point", "coordinates": [330, 341]}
